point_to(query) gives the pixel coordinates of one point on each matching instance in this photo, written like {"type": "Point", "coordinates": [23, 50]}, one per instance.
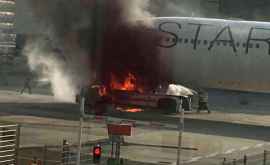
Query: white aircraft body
{"type": "Point", "coordinates": [216, 53]}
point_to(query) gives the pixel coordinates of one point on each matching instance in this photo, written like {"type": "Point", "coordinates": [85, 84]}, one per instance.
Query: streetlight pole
{"type": "Point", "coordinates": [181, 130]}
{"type": "Point", "coordinates": [82, 101]}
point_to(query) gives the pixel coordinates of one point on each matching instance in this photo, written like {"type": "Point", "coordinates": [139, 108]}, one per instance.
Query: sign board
{"type": "Point", "coordinates": [119, 129]}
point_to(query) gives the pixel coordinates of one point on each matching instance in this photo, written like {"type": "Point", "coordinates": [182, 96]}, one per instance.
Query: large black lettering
{"type": "Point", "coordinates": [173, 35]}
{"type": "Point", "coordinates": [230, 41]}
{"type": "Point", "coordinates": [266, 40]}
{"type": "Point", "coordinates": [197, 34]}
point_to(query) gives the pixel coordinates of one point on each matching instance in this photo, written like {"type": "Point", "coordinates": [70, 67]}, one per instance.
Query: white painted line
{"type": "Point", "coordinates": [244, 148]}
{"type": "Point", "coordinates": [211, 155]}
{"type": "Point", "coordinates": [258, 145]}
{"type": "Point", "coordinates": [194, 159]}
{"type": "Point", "coordinates": [230, 151]}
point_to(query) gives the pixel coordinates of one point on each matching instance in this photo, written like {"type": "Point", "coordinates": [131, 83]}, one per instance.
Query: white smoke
{"type": "Point", "coordinates": [64, 79]}
{"type": "Point", "coordinates": [136, 10]}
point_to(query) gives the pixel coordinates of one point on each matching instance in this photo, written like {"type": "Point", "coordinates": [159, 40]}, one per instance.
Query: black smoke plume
{"type": "Point", "coordinates": [86, 41]}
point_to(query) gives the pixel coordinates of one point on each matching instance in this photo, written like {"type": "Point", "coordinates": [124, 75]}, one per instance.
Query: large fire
{"type": "Point", "coordinates": [130, 110]}
{"type": "Point", "coordinates": [129, 83]}
{"type": "Point", "coordinates": [134, 110]}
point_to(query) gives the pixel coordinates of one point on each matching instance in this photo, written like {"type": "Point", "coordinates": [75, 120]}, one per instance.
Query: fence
{"type": "Point", "coordinates": [45, 142]}
{"type": "Point", "coordinates": [259, 159]}
{"type": "Point", "coordinates": [9, 143]}
{"type": "Point", "coordinates": [35, 136]}
{"type": "Point", "coordinates": [65, 154]}
{"type": "Point", "coordinates": [53, 153]}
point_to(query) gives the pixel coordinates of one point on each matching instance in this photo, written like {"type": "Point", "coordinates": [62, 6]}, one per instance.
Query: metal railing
{"type": "Point", "coordinates": [9, 143]}
{"type": "Point", "coordinates": [55, 155]}
{"type": "Point", "coordinates": [70, 158]}
{"type": "Point", "coordinates": [259, 159]}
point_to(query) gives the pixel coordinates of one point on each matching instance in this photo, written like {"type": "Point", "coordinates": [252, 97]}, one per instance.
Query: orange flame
{"type": "Point", "coordinates": [134, 110]}
{"type": "Point", "coordinates": [102, 91]}
{"type": "Point", "coordinates": [129, 83]}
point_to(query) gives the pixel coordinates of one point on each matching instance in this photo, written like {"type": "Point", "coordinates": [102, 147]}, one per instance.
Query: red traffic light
{"type": "Point", "coordinates": [97, 151]}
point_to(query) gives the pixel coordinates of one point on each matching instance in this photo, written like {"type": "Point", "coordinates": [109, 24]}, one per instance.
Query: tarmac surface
{"type": "Point", "coordinates": [229, 131]}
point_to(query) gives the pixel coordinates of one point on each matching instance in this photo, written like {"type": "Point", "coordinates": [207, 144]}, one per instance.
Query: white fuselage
{"type": "Point", "coordinates": [216, 53]}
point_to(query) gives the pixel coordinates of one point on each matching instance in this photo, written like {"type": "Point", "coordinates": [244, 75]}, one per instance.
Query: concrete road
{"type": "Point", "coordinates": [47, 121]}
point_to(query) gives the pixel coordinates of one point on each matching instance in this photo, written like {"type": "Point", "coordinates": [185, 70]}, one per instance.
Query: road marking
{"type": "Point", "coordinates": [244, 148]}
{"type": "Point", "coordinates": [164, 163]}
{"type": "Point", "coordinates": [211, 155]}
{"type": "Point", "coordinates": [259, 145]}
{"type": "Point", "coordinates": [230, 151]}
{"type": "Point", "coordinates": [194, 159]}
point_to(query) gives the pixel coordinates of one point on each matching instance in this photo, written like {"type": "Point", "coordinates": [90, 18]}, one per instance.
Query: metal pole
{"type": "Point", "coordinates": [45, 155]}
{"type": "Point", "coordinates": [80, 132]}
{"type": "Point", "coordinates": [234, 161]}
{"type": "Point", "coordinates": [18, 134]}
{"type": "Point", "coordinates": [224, 161]}
{"type": "Point", "coordinates": [245, 159]}
{"type": "Point", "coordinates": [264, 157]}
{"type": "Point", "coordinates": [181, 129]}
{"type": "Point", "coordinates": [118, 145]}
{"type": "Point", "coordinates": [112, 152]}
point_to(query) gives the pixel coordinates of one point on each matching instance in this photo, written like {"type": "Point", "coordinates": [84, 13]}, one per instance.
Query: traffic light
{"type": "Point", "coordinates": [97, 153]}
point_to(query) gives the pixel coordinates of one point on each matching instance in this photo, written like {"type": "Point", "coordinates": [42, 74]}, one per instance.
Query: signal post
{"type": "Point", "coordinates": [116, 133]}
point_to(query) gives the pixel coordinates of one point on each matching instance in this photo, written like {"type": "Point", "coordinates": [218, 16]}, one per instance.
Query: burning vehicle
{"type": "Point", "coordinates": [126, 96]}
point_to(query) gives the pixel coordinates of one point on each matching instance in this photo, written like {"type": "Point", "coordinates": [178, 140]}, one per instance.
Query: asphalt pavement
{"type": "Point", "coordinates": [213, 137]}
